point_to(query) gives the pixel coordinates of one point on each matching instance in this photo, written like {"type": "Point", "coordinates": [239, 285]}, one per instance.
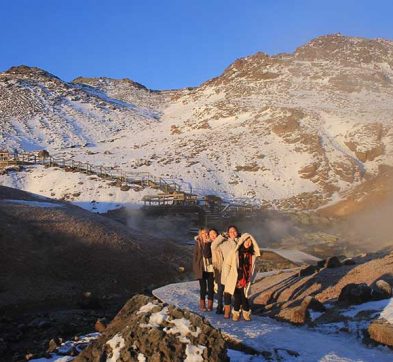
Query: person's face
{"type": "Point", "coordinates": [247, 243]}
{"type": "Point", "coordinates": [212, 234]}
{"type": "Point", "coordinates": [232, 232]}
{"type": "Point", "coordinates": [203, 234]}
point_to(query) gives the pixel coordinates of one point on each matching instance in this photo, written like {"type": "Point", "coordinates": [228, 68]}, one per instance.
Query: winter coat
{"type": "Point", "coordinates": [222, 247]}
{"type": "Point", "coordinates": [231, 264]}
{"type": "Point", "coordinates": [199, 262]}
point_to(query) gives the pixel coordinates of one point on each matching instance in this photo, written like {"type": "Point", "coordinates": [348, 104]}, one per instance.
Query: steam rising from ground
{"type": "Point", "coordinates": [373, 228]}
{"type": "Point", "coordinates": [370, 230]}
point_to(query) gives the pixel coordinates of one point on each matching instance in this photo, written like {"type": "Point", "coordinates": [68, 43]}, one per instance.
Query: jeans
{"type": "Point", "coordinates": [206, 285]}
{"type": "Point", "coordinates": [240, 299]}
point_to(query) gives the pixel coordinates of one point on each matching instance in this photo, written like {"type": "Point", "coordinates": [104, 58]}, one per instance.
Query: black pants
{"type": "Point", "coordinates": [206, 285]}
{"type": "Point", "coordinates": [220, 294]}
{"type": "Point", "coordinates": [240, 300]}
{"type": "Point", "coordinates": [227, 298]}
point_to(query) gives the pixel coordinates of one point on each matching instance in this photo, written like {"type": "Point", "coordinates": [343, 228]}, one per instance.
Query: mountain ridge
{"type": "Point", "coordinates": [291, 130]}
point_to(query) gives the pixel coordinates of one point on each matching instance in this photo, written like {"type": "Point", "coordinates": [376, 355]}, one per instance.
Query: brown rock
{"type": "Point", "coordinates": [349, 261]}
{"type": "Point", "coordinates": [124, 187]}
{"type": "Point", "coordinates": [384, 288]}
{"type": "Point", "coordinates": [100, 325]}
{"type": "Point", "coordinates": [332, 262]}
{"type": "Point", "coordinates": [311, 303]}
{"type": "Point", "coordinates": [136, 332]}
{"type": "Point", "coordinates": [53, 344]}
{"type": "Point", "coordinates": [381, 331]}
{"type": "Point", "coordinates": [309, 270]}
{"type": "Point", "coordinates": [355, 294]}
{"type": "Point", "coordinates": [299, 315]}
{"type": "Point", "coordinates": [308, 171]}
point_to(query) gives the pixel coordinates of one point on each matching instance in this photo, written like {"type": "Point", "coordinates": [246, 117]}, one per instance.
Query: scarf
{"type": "Point", "coordinates": [245, 264]}
{"type": "Point", "coordinates": [207, 250]}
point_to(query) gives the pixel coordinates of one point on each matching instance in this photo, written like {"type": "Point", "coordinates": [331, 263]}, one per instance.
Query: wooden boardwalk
{"type": "Point", "coordinates": [172, 193]}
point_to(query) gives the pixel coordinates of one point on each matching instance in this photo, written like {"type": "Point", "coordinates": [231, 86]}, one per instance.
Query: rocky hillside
{"type": "Point", "coordinates": [293, 130]}
{"type": "Point", "coordinates": [53, 252]}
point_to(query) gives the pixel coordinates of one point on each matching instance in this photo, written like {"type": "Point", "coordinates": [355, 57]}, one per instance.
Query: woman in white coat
{"type": "Point", "coordinates": [239, 272]}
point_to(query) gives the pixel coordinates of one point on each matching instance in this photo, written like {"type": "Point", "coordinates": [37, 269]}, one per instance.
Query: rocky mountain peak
{"type": "Point", "coordinates": [24, 71]}
{"type": "Point", "coordinates": [105, 82]}
{"type": "Point", "coordinates": [340, 48]}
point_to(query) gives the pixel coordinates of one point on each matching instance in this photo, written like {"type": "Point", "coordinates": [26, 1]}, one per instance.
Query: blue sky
{"type": "Point", "coordinates": [166, 44]}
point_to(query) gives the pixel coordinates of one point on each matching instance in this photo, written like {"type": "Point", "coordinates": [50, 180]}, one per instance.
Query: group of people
{"type": "Point", "coordinates": [226, 260]}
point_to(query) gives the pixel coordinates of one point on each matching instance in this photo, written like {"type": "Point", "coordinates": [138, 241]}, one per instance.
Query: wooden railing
{"type": "Point", "coordinates": [172, 191]}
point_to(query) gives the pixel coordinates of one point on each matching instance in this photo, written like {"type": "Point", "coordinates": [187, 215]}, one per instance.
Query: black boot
{"type": "Point", "coordinates": [220, 309]}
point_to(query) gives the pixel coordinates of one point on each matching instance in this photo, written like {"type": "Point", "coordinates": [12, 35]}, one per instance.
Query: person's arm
{"type": "Point", "coordinates": [196, 247]}
{"type": "Point", "coordinates": [217, 242]}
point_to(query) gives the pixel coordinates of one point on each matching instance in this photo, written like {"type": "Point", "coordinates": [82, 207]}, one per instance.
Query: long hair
{"type": "Point", "coordinates": [200, 233]}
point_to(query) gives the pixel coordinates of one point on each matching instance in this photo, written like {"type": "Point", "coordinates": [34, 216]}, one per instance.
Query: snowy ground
{"type": "Point", "coordinates": [265, 334]}
{"type": "Point", "coordinates": [285, 342]}
{"type": "Point", "coordinates": [88, 192]}
{"type": "Point", "coordinates": [67, 347]}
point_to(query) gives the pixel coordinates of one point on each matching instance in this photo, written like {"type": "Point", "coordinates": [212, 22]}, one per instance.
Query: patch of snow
{"type": "Point", "coordinates": [67, 347]}
{"type": "Point", "coordinates": [238, 356]}
{"type": "Point", "coordinates": [141, 357]}
{"type": "Point", "coordinates": [146, 308]}
{"type": "Point", "coordinates": [194, 353]}
{"type": "Point", "coordinates": [88, 192]}
{"type": "Point", "coordinates": [295, 256]}
{"type": "Point", "coordinates": [182, 327]}
{"type": "Point", "coordinates": [315, 315]}
{"type": "Point", "coordinates": [157, 318]}
{"type": "Point", "coordinates": [54, 358]}
{"type": "Point", "coordinates": [116, 344]}
{"type": "Point", "coordinates": [387, 312]}
{"type": "Point", "coordinates": [384, 307]}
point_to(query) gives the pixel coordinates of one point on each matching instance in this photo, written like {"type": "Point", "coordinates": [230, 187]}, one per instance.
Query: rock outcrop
{"type": "Point", "coordinates": [381, 331]}
{"type": "Point", "coordinates": [145, 329]}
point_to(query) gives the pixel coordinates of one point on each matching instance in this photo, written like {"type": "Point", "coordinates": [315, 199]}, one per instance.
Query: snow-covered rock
{"type": "Point", "coordinates": [145, 329]}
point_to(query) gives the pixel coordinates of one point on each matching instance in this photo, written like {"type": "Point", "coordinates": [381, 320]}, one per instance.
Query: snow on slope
{"type": "Point", "coordinates": [38, 110]}
{"type": "Point", "coordinates": [265, 334]}
{"type": "Point", "coordinates": [292, 130]}
{"type": "Point", "coordinates": [88, 192]}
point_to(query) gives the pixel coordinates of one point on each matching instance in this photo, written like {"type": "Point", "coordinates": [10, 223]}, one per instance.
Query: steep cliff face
{"type": "Point", "coordinates": [290, 130]}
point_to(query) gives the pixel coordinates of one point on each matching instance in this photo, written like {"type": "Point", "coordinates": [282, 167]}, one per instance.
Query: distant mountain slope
{"type": "Point", "coordinates": [38, 110]}
{"type": "Point", "coordinates": [291, 131]}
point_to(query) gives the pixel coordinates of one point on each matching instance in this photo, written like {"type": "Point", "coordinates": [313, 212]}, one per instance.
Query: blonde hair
{"type": "Point", "coordinates": [200, 233]}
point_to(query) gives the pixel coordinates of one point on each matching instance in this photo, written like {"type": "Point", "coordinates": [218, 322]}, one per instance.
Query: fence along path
{"type": "Point", "coordinates": [140, 178]}
{"type": "Point", "coordinates": [173, 194]}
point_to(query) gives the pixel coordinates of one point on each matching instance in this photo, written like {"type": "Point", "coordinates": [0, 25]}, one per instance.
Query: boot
{"type": "Point", "coordinates": [202, 305]}
{"type": "Point", "coordinates": [235, 315]}
{"type": "Point", "coordinates": [227, 311]}
{"type": "Point", "coordinates": [209, 305]}
{"type": "Point", "coordinates": [247, 315]}
{"type": "Point", "coordinates": [220, 309]}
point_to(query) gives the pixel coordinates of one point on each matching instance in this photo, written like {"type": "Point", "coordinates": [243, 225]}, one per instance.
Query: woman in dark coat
{"type": "Point", "coordinates": [203, 269]}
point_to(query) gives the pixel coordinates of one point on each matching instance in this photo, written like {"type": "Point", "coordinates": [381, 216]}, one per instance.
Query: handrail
{"type": "Point", "coordinates": [167, 185]}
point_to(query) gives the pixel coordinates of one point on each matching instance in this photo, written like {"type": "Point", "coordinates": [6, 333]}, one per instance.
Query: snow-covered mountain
{"type": "Point", "coordinates": [290, 130]}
